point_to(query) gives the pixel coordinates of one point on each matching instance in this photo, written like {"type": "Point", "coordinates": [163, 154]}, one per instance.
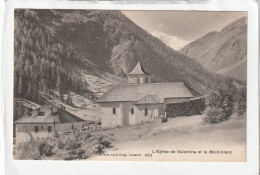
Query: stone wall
{"type": "Point", "coordinates": [188, 108]}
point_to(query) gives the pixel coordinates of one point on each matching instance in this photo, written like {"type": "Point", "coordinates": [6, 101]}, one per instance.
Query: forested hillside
{"type": "Point", "coordinates": [114, 43]}
{"type": "Point", "coordinates": [52, 47]}
{"type": "Point", "coordinates": [42, 61]}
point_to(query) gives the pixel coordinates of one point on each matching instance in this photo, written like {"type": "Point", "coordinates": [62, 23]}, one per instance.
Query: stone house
{"type": "Point", "coordinates": [44, 121]}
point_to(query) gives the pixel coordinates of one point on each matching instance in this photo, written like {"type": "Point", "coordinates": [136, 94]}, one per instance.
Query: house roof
{"type": "Point", "coordinates": [60, 116]}
{"type": "Point", "coordinates": [150, 99]}
{"type": "Point", "coordinates": [135, 92]}
{"type": "Point", "coordinates": [138, 70]}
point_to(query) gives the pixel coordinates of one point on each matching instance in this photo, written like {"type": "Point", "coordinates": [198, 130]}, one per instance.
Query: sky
{"type": "Point", "coordinates": [187, 25]}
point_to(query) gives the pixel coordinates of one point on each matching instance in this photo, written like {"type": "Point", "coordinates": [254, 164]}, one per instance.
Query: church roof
{"type": "Point", "coordinates": [150, 99]}
{"type": "Point", "coordinates": [138, 70]}
{"type": "Point", "coordinates": [135, 92]}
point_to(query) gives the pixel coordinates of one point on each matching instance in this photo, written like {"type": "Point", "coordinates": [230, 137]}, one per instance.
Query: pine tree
{"type": "Point", "coordinates": [34, 92]}
{"type": "Point", "coordinates": [20, 88]}
{"type": "Point", "coordinates": [44, 86]}
{"type": "Point", "coordinates": [69, 100]}
{"type": "Point", "coordinates": [16, 85]}
{"type": "Point", "coordinates": [19, 110]}
{"type": "Point", "coordinates": [29, 91]}
{"type": "Point", "coordinates": [53, 71]}
{"type": "Point", "coordinates": [59, 87]}
{"type": "Point", "coordinates": [15, 110]}
{"type": "Point", "coordinates": [27, 67]}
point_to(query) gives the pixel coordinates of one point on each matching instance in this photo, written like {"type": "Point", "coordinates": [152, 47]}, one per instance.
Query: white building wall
{"type": "Point", "coordinates": [123, 116]}
{"type": "Point", "coordinates": [126, 112]}
{"type": "Point", "coordinates": [109, 119]}
{"type": "Point", "coordinates": [23, 136]}
{"type": "Point", "coordinates": [132, 117]}
{"type": "Point", "coordinates": [141, 80]}
{"type": "Point", "coordinates": [61, 127]}
{"type": "Point", "coordinates": [153, 112]}
{"type": "Point", "coordinates": [132, 80]}
{"type": "Point", "coordinates": [138, 79]}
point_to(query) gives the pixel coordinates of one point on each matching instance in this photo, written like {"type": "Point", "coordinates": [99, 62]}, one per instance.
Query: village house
{"type": "Point", "coordinates": [44, 121]}
{"type": "Point", "coordinates": [139, 100]}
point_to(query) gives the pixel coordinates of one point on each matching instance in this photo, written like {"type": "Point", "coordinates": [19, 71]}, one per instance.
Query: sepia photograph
{"type": "Point", "coordinates": [114, 85]}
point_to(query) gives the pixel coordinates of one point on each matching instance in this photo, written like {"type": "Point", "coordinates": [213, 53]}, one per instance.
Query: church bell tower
{"type": "Point", "coordinates": [138, 75]}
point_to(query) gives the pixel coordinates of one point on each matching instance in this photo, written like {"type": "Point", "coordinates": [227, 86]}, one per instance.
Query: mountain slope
{"type": "Point", "coordinates": [114, 44]}
{"type": "Point", "coordinates": [219, 51]}
{"type": "Point", "coordinates": [41, 61]}
{"type": "Point", "coordinates": [70, 47]}
{"type": "Point", "coordinates": [237, 71]}
{"type": "Point", "coordinates": [172, 41]}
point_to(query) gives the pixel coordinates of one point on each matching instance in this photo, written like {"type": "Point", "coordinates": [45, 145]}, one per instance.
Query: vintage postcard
{"type": "Point", "coordinates": [128, 85]}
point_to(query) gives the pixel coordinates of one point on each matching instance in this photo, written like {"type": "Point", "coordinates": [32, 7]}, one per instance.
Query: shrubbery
{"type": "Point", "coordinates": [240, 102]}
{"type": "Point", "coordinates": [228, 99]}
{"type": "Point", "coordinates": [72, 145]}
{"type": "Point", "coordinates": [74, 154]}
{"type": "Point", "coordinates": [215, 115]}
{"type": "Point", "coordinates": [75, 145]}
{"type": "Point", "coordinates": [34, 150]}
{"type": "Point", "coordinates": [60, 144]}
{"type": "Point", "coordinates": [28, 151]}
{"type": "Point", "coordinates": [103, 143]}
{"type": "Point", "coordinates": [45, 149]}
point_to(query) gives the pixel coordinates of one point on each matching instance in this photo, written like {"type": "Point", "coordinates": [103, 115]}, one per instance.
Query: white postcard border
{"type": "Point", "coordinates": [97, 167]}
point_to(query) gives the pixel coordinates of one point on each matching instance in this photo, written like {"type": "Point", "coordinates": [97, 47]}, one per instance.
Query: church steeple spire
{"type": "Point", "coordinates": [138, 70]}
{"type": "Point", "coordinates": [138, 75]}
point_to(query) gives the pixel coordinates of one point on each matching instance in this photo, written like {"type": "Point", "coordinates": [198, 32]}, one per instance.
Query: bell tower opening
{"type": "Point", "coordinates": [138, 75]}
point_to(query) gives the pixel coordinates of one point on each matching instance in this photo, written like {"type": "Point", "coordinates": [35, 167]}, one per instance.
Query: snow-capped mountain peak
{"type": "Point", "coordinates": [172, 41]}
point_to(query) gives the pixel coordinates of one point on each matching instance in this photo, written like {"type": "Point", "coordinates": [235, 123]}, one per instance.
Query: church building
{"type": "Point", "coordinates": [139, 100]}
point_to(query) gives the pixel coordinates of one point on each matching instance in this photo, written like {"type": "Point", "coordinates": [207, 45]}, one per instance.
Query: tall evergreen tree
{"type": "Point", "coordinates": [34, 91]}
{"type": "Point", "coordinates": [69, 100]}
{"type": "Point", "coordinates": [29, 91]}
{"type": "Point", "coordinates": [18, 110]}
{"type": "Point", "coordinates": [44, 87]}
{"type": "Point", "coordinates": [20, 88]}
{"type": "Point", "coordinates": [27, 67]}
{"type": "Point", "coordinates": [59, 87]}
{"type": "Point", "coordinates": [16, 84]}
